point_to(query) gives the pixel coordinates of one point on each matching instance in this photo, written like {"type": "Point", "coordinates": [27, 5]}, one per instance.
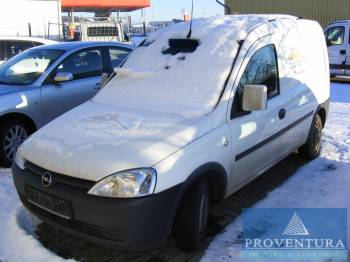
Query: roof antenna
{"type": "Point", "coordinates": [183, 45]}
{"type": "Point", "coordinates": [227, 8]}
{"type": "Point", "coordinates": [190, 32]}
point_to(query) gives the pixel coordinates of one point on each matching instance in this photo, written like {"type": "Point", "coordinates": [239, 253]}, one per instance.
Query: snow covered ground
{"type": "Point", "coordinates": [17, 237]}
{"type": "Point", "coordinates": [324, 182]}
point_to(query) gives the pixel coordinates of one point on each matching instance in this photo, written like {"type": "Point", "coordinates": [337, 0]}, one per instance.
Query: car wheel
{"type": "Point", "coordinates": [192, 218]}
{"type": "Point", "coordinates": [12, 135]}
{"type": "Point", "coordinates": [311, 149]}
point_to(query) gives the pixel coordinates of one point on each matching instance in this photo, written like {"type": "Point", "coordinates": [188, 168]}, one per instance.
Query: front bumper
{"type": "Point", "coordinates": [125, 224]}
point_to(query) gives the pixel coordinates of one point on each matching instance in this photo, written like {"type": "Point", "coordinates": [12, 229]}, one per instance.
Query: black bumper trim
{"type": "Point", "coordinates": [136, 224]}
{"type": "Point", "coordinates": [105, 233]}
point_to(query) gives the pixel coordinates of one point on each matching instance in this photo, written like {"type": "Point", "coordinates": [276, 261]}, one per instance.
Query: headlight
{"type": "Point", "coordinates": [19, 159]}
{"type": "Point", "coordinates": [126, 184]}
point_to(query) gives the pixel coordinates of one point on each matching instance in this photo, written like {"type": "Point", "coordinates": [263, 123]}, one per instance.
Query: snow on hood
{"type": "Point", "coordinates": [189, 84]}
{"type": "Point", "coordinates": [94, 141]}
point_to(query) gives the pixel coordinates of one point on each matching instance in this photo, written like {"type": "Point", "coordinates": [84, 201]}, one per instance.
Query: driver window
{"type": "Point", "coordinates": [262, 69]}
{"type": "Point", "coordinates": [83, 64]}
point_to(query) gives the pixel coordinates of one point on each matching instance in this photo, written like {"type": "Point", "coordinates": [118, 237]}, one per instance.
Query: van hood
{"type": "Point", "coordinates": [95, 140]}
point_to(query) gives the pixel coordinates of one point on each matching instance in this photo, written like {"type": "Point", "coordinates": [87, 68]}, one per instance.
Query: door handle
{"type": "Point", "coordinates": [343, 52]}
{"type": "Point", "coordinates": [282, 113]}
{"type": "Point", "coordinates": [97, 86]}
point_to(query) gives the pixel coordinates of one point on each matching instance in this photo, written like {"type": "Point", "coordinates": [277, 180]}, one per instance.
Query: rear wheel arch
{"type": "Point", "coordinates": [322, 111]}
{"type": "Point", "coordinates": [323, 114]}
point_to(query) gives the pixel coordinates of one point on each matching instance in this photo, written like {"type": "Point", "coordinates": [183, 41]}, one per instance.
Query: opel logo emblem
{"type": "Point", "coordinates": [46, 179]}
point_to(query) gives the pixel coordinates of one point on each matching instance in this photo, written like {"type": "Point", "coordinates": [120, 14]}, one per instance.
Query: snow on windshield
{"type": "Point", "coordinates": [188, 84]}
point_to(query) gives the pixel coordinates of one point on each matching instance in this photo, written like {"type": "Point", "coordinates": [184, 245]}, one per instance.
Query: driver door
{"type": "Point", "coordinates": [252, 133]}
{"type": "Point", "coordinates": [86, 67]}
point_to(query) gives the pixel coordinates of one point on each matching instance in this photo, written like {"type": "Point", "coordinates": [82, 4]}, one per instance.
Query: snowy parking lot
{"type": "Point", "coordinates": [322, 183]}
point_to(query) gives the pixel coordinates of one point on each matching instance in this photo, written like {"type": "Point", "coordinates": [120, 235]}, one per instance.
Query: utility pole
{"type": "Point", "coordinates": [59, 18]}
{"type": "Point", "coordinates": [143, 21]}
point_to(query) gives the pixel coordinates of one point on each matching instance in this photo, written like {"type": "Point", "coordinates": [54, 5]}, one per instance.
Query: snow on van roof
{"type": "Point", "coordinates": [188, 84]}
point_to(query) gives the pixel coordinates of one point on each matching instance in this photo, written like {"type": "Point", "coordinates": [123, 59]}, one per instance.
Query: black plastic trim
{"type": "Point", "coordinates": [58, 178]}
{"type": "Point", "coordinates": [339, 66]}
{"type": "Point", "coordinates": [273, 137]}
{"type": "Point", "coordinates": [220, 187]}
{"type": "Point", "coordinates": [135, 224]}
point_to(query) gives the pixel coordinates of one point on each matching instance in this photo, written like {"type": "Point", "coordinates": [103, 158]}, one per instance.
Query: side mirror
{"type": "Point", "coordinates": [63, 77]}
{"type": "Point", "coordinates": [104, 79]}
{"type": "Point", "coordinates": [254, 98]}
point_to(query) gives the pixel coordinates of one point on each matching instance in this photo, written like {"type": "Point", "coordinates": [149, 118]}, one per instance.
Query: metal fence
{"type": "Point", "coordinates": [47, 30]}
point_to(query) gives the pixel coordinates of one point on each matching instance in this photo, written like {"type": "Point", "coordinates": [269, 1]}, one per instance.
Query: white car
{"type": "Point", "coordinates": [338, 41]}
{"type": "Point", "coordinates": [13, 45]}
{"type": "Point", "coordinates": [185, 123]}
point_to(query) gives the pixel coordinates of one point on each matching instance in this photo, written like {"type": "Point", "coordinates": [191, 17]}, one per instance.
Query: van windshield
{"type": "Point", "coordinates": [185, 80]}
{"type": "Point", "coordinates": [186, 83]}
{"type": "Point", "coordinates": [25, 68]}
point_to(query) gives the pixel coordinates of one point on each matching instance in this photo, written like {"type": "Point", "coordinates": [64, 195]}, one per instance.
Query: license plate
{"type": "Point", "coordinates": [51, 204]}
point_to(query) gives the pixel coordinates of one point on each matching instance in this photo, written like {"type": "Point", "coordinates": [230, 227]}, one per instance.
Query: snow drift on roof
{"type": "Point", "coordinates": [188, 84]}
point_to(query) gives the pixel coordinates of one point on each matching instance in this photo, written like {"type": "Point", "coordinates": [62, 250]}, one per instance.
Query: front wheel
{"type": "Point", "coordinates": [192, 218]}
{"type": "Point", "coordinates": [311, 149]}
{"type": "Point", "coordinates": [12, 135]}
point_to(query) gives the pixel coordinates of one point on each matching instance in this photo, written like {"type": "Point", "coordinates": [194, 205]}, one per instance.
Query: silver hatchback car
{"type": "Point", "coordinates": [42, 83]}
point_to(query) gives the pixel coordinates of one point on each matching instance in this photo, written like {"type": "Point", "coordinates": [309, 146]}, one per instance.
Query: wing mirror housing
{"type": "Point", "coordinates": [254, 98]}
{"type": "Point", "coordinates": [63, 77]}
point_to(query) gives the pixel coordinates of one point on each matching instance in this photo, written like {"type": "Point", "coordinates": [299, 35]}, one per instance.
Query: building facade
{"type": "Point", "coordinates": [323, 11]}
{"type": "Point", "coordinates": [30, 17]}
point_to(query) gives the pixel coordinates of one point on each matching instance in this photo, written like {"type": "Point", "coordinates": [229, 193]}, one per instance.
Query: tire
{"type": "Point", "coordinates": [12, 135]}
{"type": "Point", "coordinates": [192, 218]}
{"type": "Point", "coordinates": [312, 148]}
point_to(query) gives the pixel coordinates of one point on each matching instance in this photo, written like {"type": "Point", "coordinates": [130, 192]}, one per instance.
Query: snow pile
{"type": "Point", "coordinates": [323, 183]}
{"type": "Point", "coordinates": [189, 84]}
{"type": "Point", "coordinates": [17, 232]}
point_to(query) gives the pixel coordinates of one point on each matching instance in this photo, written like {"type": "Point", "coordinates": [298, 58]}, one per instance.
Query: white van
{"type": "Point", "coordinates": [102, 30]}
{"type": "Point", "coordinates": [185, 123]}
{"type": "Point", "coordinates": [338, 41]}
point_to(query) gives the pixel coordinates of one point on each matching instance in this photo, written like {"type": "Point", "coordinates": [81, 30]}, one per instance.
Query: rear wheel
{"type": "Point", "coordinates": [311, 149]}
{"type": "Point", "coordinates": [12, 135]}
{"type": "Point", "coordinates": [192, 218]}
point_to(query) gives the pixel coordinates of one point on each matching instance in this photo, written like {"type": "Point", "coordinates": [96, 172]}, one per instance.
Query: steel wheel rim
{"type": "Point", "coordinates": [13, 138]}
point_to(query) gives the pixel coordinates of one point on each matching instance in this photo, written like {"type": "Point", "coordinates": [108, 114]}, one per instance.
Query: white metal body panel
{"type": "Point", "coordinates": [94, 141]}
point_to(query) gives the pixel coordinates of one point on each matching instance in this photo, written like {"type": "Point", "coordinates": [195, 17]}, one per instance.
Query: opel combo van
{"type": "Point", "coordinates": [338, 42]}
{"type": "Point", "coordinates": [191, 117]}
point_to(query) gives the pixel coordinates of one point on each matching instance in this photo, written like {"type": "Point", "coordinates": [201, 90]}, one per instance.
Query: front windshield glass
{"type": "Point", "coordinates": [25, 68]}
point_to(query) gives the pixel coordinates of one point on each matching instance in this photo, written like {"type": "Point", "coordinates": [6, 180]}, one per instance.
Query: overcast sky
{"type": "Point", "coordinates": [168, 9]}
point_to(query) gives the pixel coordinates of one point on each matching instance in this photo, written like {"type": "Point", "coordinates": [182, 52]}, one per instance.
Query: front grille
{"type": "Point", "coordinates": [58, 178]}
{"type": "Point", "coordinates": [92, 230]}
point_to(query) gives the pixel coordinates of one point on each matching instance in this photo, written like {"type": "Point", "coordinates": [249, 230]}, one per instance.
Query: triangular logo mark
{"type": "Point", "coordinates": [295, 227]}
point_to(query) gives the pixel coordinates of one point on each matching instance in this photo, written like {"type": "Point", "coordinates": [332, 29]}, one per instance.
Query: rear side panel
{"type": "Point", "coordinates": [304, 76]}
